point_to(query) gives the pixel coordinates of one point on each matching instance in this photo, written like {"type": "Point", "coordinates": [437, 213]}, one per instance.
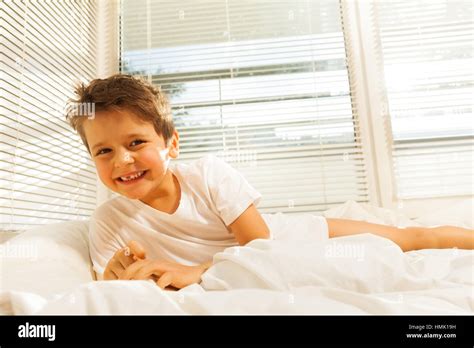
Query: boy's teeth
{"type": "Point", "coordinates": [131, 177]}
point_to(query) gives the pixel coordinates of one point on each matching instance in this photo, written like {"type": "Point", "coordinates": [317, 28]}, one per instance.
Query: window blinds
{"type": "Point", "coordinates": [262, 84]}
{"type": "Point", "coordinates": [45, 174]}
{"type": "Point", "coordinates": [427, 53]}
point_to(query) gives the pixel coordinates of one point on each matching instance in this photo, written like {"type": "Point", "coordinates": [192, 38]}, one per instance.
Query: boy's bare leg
{"type": "Point", "coordinates": [409, 238]}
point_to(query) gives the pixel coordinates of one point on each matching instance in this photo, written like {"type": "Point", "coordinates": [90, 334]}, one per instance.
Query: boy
{"type": "Point", "coordinates": [172, 218]}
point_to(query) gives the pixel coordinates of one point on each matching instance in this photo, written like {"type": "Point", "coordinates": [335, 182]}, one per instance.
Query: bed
{"type": "Point", "coordinates": [47, 270]}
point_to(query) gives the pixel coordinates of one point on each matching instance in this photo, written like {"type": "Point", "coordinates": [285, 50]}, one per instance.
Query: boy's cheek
{"type": "Point", "coordinates": [109, 182]}
{"type": "Point", "coordinates": [104, 175]}
{"type": "Point", "coordinates": [151, 160]}
{"type": "Point", "coordinates": [148, 155]}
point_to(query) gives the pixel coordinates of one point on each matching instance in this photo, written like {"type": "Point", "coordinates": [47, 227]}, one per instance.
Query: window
{"type": "Point", "coordinates": [294, 94]}
{"type": "Point", "coordinates": [426, 50]}
{"type": "Point", "coordinates": [46, 174]}
{"type": "Point", "coordinates": [262, 84]}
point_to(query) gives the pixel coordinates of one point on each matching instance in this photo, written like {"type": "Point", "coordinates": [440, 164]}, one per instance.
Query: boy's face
{"type": "Point", "coordinates": [130, 157]}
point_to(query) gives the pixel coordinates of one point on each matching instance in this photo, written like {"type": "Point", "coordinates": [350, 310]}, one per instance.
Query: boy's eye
{"type": "Point", "coordinates": [102, 151]}
{"type": "Point", "coordinates": [133, 143]}
{"type": "Point", "coordinates": [136, 142]}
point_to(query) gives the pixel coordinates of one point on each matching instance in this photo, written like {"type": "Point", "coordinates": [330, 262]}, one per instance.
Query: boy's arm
{"type": "Point", "coordinates": [249, 226]}
{"type": "Point", "coordinates": [409, 238]}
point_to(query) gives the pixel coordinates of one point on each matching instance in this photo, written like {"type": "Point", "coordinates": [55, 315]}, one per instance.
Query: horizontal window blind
{"type": "Point", "coordinates": [427, 54]}
{"type": "Point", "coordinates": [262, 84]}
{"type": "Point", "coordinates": [46, 175]}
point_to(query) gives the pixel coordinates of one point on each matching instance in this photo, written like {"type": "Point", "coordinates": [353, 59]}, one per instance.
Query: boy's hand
{"type": "Point", "coordinates": [168, 273]}
{"type": "Point", "coordinates": [122, 259]}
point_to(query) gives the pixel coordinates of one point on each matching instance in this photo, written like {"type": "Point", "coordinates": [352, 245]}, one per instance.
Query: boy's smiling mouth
{"type": "Point", "coordinates": [131, 177]}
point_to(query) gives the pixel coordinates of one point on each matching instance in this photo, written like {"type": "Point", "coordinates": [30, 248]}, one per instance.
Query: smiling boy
{"type": "Point", "coordinates": [171, 218]}
{"type": "Point", "coordinates": [182, 215]}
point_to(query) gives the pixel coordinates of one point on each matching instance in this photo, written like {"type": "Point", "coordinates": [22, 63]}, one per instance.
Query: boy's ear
{"type": "Point", "coordinates": [174, 152]}
{"type": "Point", "coordinates": [174, 145]}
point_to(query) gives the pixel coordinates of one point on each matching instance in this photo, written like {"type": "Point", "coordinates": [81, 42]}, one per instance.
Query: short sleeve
{"type": "Point", "coordinates": [103, 245]}
{"type": "Point", "coordinates": [230, 191]}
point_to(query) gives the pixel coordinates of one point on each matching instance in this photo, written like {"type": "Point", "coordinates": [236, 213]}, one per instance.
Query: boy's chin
{"type": "Point", "coordinates": [138, 194]}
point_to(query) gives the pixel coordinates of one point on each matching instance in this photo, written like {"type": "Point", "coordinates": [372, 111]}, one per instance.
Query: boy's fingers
{"type": "Point", "coordinates": [165, 280]}
{"type": "Point", "coordinates": [130, 271]}
{"type": "Point", "coordinates": [125, 251]}
{"type": "Point", "coordinates": [109, 275]}
{"type": "Point", "coordinates": [125, 257]}
{"type": "Point", "coordinates": [113, 269]}
{"type": "Point", "coordinates": [149, 271]}
{"type": "Point", "coordinates": [136, 249]}
{"type": "Point", "coordinates": [129, 254]}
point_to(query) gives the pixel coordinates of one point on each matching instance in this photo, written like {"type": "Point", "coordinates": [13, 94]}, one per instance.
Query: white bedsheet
{"type": "Point", "coordinates": [362, 274]}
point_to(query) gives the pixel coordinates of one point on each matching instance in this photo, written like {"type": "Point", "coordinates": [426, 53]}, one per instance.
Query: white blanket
{"type": "Point", "coordinates": [361, 274]}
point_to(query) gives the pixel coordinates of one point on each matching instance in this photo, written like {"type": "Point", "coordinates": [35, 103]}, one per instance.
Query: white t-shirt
{"type": "Point", "coordinates": [213, 195]}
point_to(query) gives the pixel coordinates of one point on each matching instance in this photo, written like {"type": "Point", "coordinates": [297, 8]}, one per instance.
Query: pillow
{"type": "Point", "coordinates": [47, 260]}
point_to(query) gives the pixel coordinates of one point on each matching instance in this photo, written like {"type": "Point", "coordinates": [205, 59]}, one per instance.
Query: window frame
{"type": "Point", "coordinates": [371, 99]}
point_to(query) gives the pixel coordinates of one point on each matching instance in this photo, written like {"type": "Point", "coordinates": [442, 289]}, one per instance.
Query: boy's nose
{"type": "Point", "coordinates": [122, 158]}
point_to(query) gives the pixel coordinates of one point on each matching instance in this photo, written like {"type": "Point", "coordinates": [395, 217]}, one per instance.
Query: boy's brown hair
{"type": "Point", "coordinates": [122, 92]}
